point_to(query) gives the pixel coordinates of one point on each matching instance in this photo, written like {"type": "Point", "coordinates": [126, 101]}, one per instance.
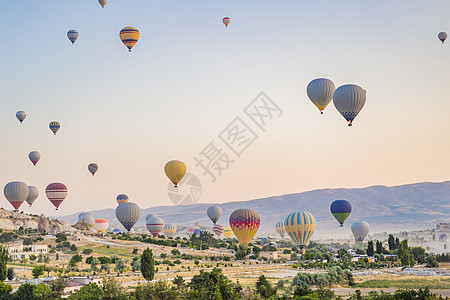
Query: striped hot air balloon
{"type": "Point", "coordinates": [155, 225]}
{"type": "Point", "coordinates": [245, 224]}
{"type": "Point", "coordinates": [218, 230]}
{"type": "Point", "coordinates": [170, 229]}
{"type": "Point", "coordinates": [129, 36]}
{"type": "Point", "coordinates": [300, 227]}
{"type": "Point", "coordinates": [279, 227]}
{"type": "Point", "coordinates": [101, 225]}
{"type": "Point", "coordinates": [227, 232]}
{"type": "Point", "coordinates": [56, 192]}
{"type": "Point", "coordinates": [122, 198]}
{"type": "Point", "coordinates": [54, 127]}
{"type": "Point", "coordinates": [72, 35]}
{"type": "Point", "coordinates": [341, 209]}
{"type": "Point", "coordinates": [16, 193]}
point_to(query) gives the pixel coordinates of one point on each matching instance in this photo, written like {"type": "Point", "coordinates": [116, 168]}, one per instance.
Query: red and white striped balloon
{"type": "Point", "coordinates": [56, 192]}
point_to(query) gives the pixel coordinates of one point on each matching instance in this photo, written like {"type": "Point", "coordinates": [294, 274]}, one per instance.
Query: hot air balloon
{"type": "Point", "coordinates": [245, 224]}
{"type": "Point", "coordinates": [197, 232]}
{"type": "Point", "coordinates": [122, 198]}
{"type": "Point", "coordinates": [320, 92]}
{"type": "Point", "coordinates": [102, 3]}
{"type": "Point", "coordinates": [34, 156]}
{"type": "Point", "coordinates": [300, 227]}
{"type": "Point", "coordinates": [149, 216]}
{"type": "Point", "coordinates": [72, 35]}
{"type": "Point", "coordinates": [16, 192]}
{"type": "Point", "coordinates": [226, 21]}
{"type": "Point", "coordinates": [129, 36]}
{"type": "Point", "coordinates": [117, 231]}
{"type": "Point", "coordinates": [54, 127]}
{"type": "Point", "coordinates": [88, 218]}
{"type": "Point", "coordinates": [56, 193]}
{"type": "Point", "coordinates": [218, 230]}
{"type": "Point", "coordinates": [349, 99]}
{"type": "Point", "coordinates": [101, 225]}
{"type": "Point", "coordinates": [128, 214]}
{"type": "Point", "coordinates": [92, 167]}
{"type": "Point", "coordinates": [341, 209]}
{"type": "Point", "coordinates": [170, 229]}
{"type": "Point", "coordinates": [442, 36]}
{"type": "Point", "coordinates": [33, 193]}
{"type": "Point", "coordinates": [443, 237]}
{"type": "Point", "coordinates": [227, 232]}
{"type": "Point", "coordinates": [191, 230]}
{"type": "Point", "coordinates": [155, 225]}
{"type": "Point", "coordinates": [214, 212]}
{"type": "Point", "coordinates": [279, 227]}
{"type": "Point", "coordinates": [21, 115]}
{"type": "Point", "coordinates": [360, 230]}
{"type": "Point", "coordinates": [175, 171]}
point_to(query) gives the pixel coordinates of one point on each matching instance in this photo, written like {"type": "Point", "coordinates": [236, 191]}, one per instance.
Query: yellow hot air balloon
{"type": "Point", "coordinates": [245, 224]}
{"type": "Point", "coordinates": [228, 232]}
{"type": "Point", "coordinates": [300, 227]}
{"type": "Point", "coordinates": [175, 171]}
{"type": "Point", "coordinates": [129, 36]}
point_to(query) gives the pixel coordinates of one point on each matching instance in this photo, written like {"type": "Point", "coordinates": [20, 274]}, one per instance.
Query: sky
{"type": "Point", "coordinates": [189, 77]}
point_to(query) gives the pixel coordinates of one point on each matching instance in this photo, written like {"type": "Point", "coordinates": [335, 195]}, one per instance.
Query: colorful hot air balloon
{"type": "Point", "coordinates": [442, 36]}
{"type": "Point", "coordinates": [16, 192]}
{"type": "Point", "coordinates": [34, 156]}
{"type": "Point", "coordinates": [170, 229]}
{"type": "Point", "coordinates": [197, 232]}
{"type": "Point", "coordinates": [175, 171]}
{"type": "Point", "coordinates": [218, 230]}
{"type": "Point", "coordinates": [102, 3]}
{"type": "Point", "coordinates": [122, 198]}
{"type": "Point", "coordinates": [279, 227]}
{"type": "Point", "coordinates": [226, 21]}
{"type": "Point", "coordinates": [443, 238]}
{"type": "Point", "coordinates": [54, 127]}
{"type": "Point", "coordinates": [227, 232]}
{"type": "Point", "coordinates": [72, 35]}
{"type": "Point", "coordinates": [245, 224]}
{"type": "Point", "coordinates": [56, 193]}
{"type": "Point", "coordinates": [88, 218]}
{"type": "Point", "coordinates": [360, 230]}
{"type": "Point", "coordinates": [92, 167]}
{"type": "Point", "coordinates": [341, 209]}
{"type": "Point", "coordinates": [349, 99]}
{"type": "Point", "coordinates": [214, 212]}
{"type": "Point", "coordinates": [33, 193]}
{"type": "Point", "coordinates": [320, 91]}
{"type": "Point", "coordinates": [101, 225]}
{"type": "Point", "coordinates": [191, 230]}
{"type": "Point", "coordinates": [129, 36]}
{"type": "Point", "coordinates": [21, 115]}
{"type": "Point", "coordinates": [300, 227]}
{"type": "Point", "coordinates": [155, 225]}
{"type": "Point", "coordinates": [128, 214]}
{"type": "Point", "coordinates": [149, 216]}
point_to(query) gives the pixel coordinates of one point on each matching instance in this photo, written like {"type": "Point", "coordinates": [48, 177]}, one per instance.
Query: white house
{"type": "Point", "coordinates": [17, 251]}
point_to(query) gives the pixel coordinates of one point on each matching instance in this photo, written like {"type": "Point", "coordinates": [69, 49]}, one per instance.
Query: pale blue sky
{"type": "Point", "coordinates": [189, 76]}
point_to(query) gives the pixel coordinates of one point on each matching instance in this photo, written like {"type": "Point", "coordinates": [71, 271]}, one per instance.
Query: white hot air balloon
{"type": "Point", "coordinates": [360, 230]}
{"type": "Point", "coordinates": [442, 36]}
{"type": "Point", "coordinates": [21, 115]}
{"type": "Point", "coordinates": [349, 99]}
{"type": "Point", "coordinates": [33, 193]}
{"type": "Point", "coordinates": [214, 213]}
{"type": "Point", "coordinates": [155, 225]}
{"type": "Point", "coordinates": [34, 156]}
{"type": "Point", "coordinates": [16, 192]}
{"type": "Point", "coordinates": [149, 216]}
{"type": "Point", "coordinates": [128, 214]}
{"type": "Point", "coordinates": [320, 92]}
{"type": "Point", "coordinates": [88, 218]}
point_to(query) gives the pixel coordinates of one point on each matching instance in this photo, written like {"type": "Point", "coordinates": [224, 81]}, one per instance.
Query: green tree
{"type": "Point", "coordinates": [4, 258]}
{"type": "Point", "coordinates": [264, 287]}
{"type": "Point", "coordinates": [212, 285]}
{"type": "Point", "coordinates": [379, 247]}
{"type": "Point", "coordinates": [370, 251]}
{"type": "Point", "coordinates": [148, 264]}
{"type": "Point", "coordinates": [87, 251]}
{"type": "Point", "coordinates": [391, 242]}
{"type": "Point", "coordinates": [42, 291]}
{"type": "Point", "coordinates": [419, 254]}
{"type": "Point", "coordinates": [33, 257]}
{"type": "Point", "coordinates": [161, 290]}
{"type": "Point", "coordinates": [57, 286]}
{"type": "Point", "coordinates": [25, 291]}
{"type": "Point", "coordinates": [431, 262]}
{"type": "Point", "coordinates": [5, 289]}
{"type": "Point", "coordinates": [241, 251]}
{"type": "Point", "coordinates": [37, 271]}
{"type": "Point", "coordinates": [10, 274]}
{"type": "Point", "coordinates": [120, 266]}
{"type": "Point", "coordinates": [88, 292]}
{"type": "Point", "coordinates": [113, 289]}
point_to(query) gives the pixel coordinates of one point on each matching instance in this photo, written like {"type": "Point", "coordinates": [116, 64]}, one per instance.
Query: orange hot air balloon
{"type": "Point", "coordinates": [226, 21]}
{"type": "Point", "coordinates": [245, 224]}
{"type": "Point", "coordinates": [129, 36]}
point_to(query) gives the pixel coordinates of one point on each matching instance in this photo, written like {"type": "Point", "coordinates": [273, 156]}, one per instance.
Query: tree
{"type": "Point", "coordinates": [397, 243]}
{"type": "Point", "coordinates": [434, 237]}
{"type": "Point", "coordinates": [379, 247]}
{"type": "Point", "coordinates": [419, 254]}
{"type": "Point", "coordinates": [264, 287]}
{"type": "Point", "coordinates": [370, 251]}
{"type": "Point", "coordinates": [25, 291]}
{"type": "Point", "coordinates": [112, 289]}
{"type": "Point", "coordinates": [77, 258]}
{"type": "Point", "coordinates": [33, 257]}
{"type": "Point", "coordinates": [161, 290]}
{"type": "Point", "coordinates": [431, 262]}
{"type": "Point", "coordinates": [391, 242]}
{"type": "Point", "coordinates": [5, 289]}
{"type": "Point", "coordinates": [10, 274]}
{"type": "Point", "coordinates": [120, 266]}
{"type": "Point", "coordinates": [135, 251]}
{"type": "Point", "coordinates": [87, 251]}
{"type": "Point", "coordinates": [175, 252]}
{"type": "Point", "coordinates": [37, 271]}
{"type": "Point", "coordinates": [73, 248]}
{"type": "Point", "coordinates": [4, 258]}
{"type": "Point", "coordinates": [241, 251]}
{"type": "Point", "coordinates": [42, 291]}
{"type": "Point", "coordinates": [148, 265]}
{"type": "Point", "coordinates": [88, 292]}
{"type": "Point", "coordinates": [405, 255]}
{"type": "Point", "coordinates": [57, 286]}
{"type": "Point", "coordinates": [218, 287]}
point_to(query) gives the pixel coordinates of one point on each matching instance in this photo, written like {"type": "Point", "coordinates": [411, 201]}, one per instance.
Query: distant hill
{"type": "Point", "coordinates": [397, 208]}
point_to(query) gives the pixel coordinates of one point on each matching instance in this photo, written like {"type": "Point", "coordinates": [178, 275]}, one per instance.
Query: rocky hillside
{"type": "Point", "coordinates": [14, 220]}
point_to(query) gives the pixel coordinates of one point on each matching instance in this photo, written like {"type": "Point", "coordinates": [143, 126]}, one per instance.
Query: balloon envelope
{"type": "Point", "coordinates": [360, 230]}
{"type": "Point", "coordinates": [443, 237]}
{"type": "Point", "coordinates": [279, 227]}
{"type": "Point", "coordinates": [92, 167]}
{"type": "Point", "coordinates": [102, 2]}
{"type": "Point", "coordinates": [300, 227]}
{"type": "Point", "coordinates": [218, 230]}
{"type": "Point", "coordinates": [155, 225]}
{"type": "Point", "coordinates": [214, 212]}
{"type": "Point", "coordinates": [129, 36]}
{"type": "Point", "coordinates": [33, 193]}
{"type": "Point", "coordinates": [72, 35]}
{"type": "Point", "coordinates": [54, 127]}
{"type": "Point", "coordinates": [227, 232]}
{"type": "Point", "coordinates": [122, 198]}
{"type": "Point", "coordinates": [56, 192]}
{"type": "Point", "coordinates": [16, 192]}
{"type": "Point", "coordinates": [101, 225]}
{"type": "Point", "coordinates": [442, 36]}
{"type": "Point", "coordinates": [149, 216]}
{"type": "Point", "coordinates": [341, 209]}
{"type": "Point", "coordinates": [245, 223]}
{"type": "Point", "coordinates": [34, 156]}
{"type": "Point", "coordinates": [170, 229]}
{"type": "Point", "coordinates": [128, 214]}
{"type": "Point", "coordinates": [226, 21]}
{"type": "Point", "coordinates": [175, 171]}
{"type": "Point", "coordinates": [88, 218]}
{"type": "Point", "coordinates": [197, 232]}
{"type": "Point", "coordinates": [349, 99]}
{"type": "Point", "coordinates": [21, 115]}
{"type": "Point", "coordinates": [320, 92]}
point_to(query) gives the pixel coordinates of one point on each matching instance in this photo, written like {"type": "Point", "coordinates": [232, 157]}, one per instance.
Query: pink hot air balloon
{"type": "Point", "coordinates": [56, 192]}
{"type": "Point", "coordinates": [226, 21]}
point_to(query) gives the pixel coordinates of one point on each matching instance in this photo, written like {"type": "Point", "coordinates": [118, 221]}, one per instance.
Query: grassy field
{"type": "Point", "coordinates": [407, 283]}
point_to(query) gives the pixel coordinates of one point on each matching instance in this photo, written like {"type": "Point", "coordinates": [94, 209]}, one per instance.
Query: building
{"type": "Point", "coordinates": [268, 254]}
{"type": "Point", "coordinates": [75, 283]}
{"type": "Point", "coordinates": [18, 251]}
